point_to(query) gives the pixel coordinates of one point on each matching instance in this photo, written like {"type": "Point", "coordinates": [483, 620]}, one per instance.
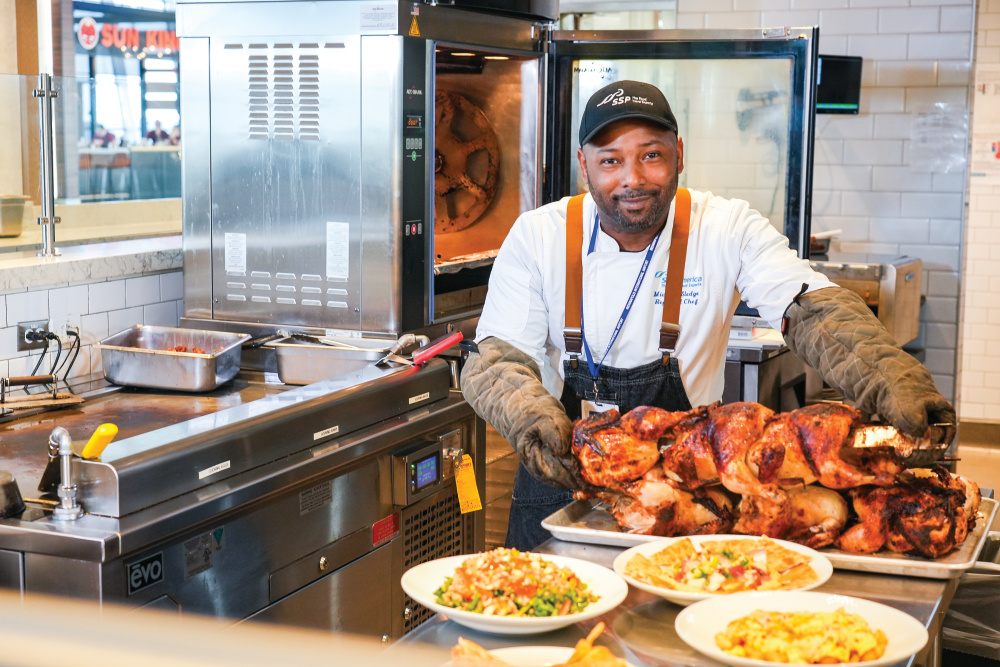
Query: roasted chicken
{"type": "Point", "coordinates": [681, 473]}
{"type": "Point", "coordinates": [609, 455]}
{"type": "Point", "coordinates": [651, 506]}
{"type": "Point", "coordinates": [810, 444]}
{"type": "Point", "coordinates": [928, 515]}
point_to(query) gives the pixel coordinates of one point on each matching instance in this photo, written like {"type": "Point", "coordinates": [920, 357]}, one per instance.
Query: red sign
{"type": "Point", "coordinates": [162, 40]}
{"type": "Point", "coordinates": [114, 36]}
{"type": "Point", "coordinates": [120, 38]}
{"type": "Point", "coordinates": [86, 32]}
{"type": "Point", "coordinates": [385, 529]}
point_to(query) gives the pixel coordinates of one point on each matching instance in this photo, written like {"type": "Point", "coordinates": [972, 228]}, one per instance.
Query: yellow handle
{"type": "Point", "coordinates": [102, 437]}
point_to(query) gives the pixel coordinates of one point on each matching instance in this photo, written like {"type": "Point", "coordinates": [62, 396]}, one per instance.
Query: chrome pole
{"type": "Point", "coordinates": [45, 94]}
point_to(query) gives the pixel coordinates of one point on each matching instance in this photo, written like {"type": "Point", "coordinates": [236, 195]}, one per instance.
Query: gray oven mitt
{"type": "Point", "coordinates": [833, 331]}
{"type": "Point", "coordinates": [503, 385]}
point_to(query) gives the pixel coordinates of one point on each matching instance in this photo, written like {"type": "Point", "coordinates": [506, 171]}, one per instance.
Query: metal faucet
{"type": "Point", "coordinates": [61, 445]}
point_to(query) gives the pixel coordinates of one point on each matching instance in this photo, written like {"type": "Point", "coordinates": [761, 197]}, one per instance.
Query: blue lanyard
{"type": "Point", "coordinates": [594, 370]}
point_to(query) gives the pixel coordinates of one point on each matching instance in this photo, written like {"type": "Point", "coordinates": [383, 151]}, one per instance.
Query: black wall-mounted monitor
{"type": "Point", "coordinates": [838, 84]}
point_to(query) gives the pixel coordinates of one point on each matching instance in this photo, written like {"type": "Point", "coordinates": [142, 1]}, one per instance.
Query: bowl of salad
{"type": "Point", "coordinates": [506, 591]}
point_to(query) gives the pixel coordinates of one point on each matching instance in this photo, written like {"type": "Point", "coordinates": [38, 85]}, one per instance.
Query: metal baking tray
{"type": "Point", "coordinates": [989, 557]}
{"type": "Point", "coordinates": [138, 357]}
{"type": "Point", "coordinates": [302, 363]}
{"type": "Point", "coordinates": [587, 521]}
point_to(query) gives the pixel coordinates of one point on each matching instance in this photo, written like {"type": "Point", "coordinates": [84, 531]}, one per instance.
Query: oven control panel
{"type": "Point", "coordinates": [424, 467]}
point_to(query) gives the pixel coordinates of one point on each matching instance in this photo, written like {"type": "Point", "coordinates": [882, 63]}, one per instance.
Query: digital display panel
{"type": "Point", "coordinates": [838, 84]}
{"type": "Point", "coordinates": [427, 471]}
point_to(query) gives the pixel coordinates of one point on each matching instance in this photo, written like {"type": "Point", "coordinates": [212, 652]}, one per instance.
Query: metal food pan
{"type": "Point", "coordinates": [588, 522]}
{"type": "Point", "coordinates": [138, 357]}
{"type": "Point", "coordinates": [301, 363]}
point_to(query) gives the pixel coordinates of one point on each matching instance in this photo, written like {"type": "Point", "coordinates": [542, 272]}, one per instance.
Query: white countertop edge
{"type": "Point", "coordinates": [89, 263]}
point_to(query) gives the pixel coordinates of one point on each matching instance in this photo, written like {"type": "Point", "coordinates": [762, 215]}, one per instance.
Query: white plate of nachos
{"type": "Point", "coordinates": [687, 569]}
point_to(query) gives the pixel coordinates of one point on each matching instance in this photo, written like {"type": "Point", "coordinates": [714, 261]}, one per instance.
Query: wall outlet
{"type": "Point", "coordinates": [59, 325]}
{"type": "Point", "coordinates": [30, 335]}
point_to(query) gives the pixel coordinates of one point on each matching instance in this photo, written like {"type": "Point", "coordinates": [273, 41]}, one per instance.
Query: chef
{"type": "Point", "coordinates": [624, 297]}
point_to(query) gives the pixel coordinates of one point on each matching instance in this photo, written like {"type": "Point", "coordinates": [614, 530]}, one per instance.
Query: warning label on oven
{"type": "Point", "coordinates": [236, 253]}
{"type": "Point", "coordinates": [338, 250]}
{"type": "Point", "coordinates": [316, 497]}
{"type": "Point", "coordinates": [379, 17]}
{"type": "Point", "coordinates": [200, 551]}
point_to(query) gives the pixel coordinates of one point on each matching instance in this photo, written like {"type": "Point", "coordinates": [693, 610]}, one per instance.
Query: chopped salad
{"type": "Point", "coordinates": [711, 570]}
{"type": "Point", "coordinates": [508, 582]}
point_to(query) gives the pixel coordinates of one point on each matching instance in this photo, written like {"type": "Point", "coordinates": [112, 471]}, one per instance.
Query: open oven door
{"type": "Point", "coordinates": [744, 101]}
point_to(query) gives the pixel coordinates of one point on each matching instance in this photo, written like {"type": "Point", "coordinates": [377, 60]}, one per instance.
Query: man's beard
{"type": "Point", "coordinates": [615, 218]}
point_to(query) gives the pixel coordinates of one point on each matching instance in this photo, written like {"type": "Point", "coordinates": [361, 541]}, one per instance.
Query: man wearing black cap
{"type": "Point", "coordinates": [623, 297]}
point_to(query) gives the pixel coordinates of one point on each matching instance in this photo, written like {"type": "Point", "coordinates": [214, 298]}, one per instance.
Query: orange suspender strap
{"type": "Point", "coordinates": [670, 328]}
{"type": "Point", "coordinates": [573, 331]}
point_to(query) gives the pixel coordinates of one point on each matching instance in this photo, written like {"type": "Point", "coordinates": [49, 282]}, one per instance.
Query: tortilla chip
{"type": "Point", "coordinates": [782, 558]}
{"type": "Point", "coordinates": [799, 576]}
{"type": "Point", "coordinates": [674, 553]}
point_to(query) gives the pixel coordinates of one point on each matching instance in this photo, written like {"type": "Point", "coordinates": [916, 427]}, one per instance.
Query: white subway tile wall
{"type": "Point", "coordinates": [142, 291]}
{"type": "Point", "coordinates": [101, 310]}
{"type": "Point", "coordinates": [979, 356]}
{"type": "Point", "coordinates": [867, 181]}
{"type": "Point", "coordinates": [107, 296]}
{"type": "Point", "coordinates": [27, 307]}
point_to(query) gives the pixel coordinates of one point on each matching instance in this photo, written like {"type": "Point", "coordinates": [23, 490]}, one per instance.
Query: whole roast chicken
{"type": "Point", "coordinates": [796, 475]}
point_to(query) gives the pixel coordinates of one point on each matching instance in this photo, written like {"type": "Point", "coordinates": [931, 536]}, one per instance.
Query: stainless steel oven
{"type": "Point", "coordinates": [353, 167]}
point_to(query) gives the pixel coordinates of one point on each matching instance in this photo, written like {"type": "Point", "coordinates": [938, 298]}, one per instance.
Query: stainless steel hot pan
{"type": "Point", "coordinates": [171, 358]}
{"type": "Point", "coordinates": [310, 359]}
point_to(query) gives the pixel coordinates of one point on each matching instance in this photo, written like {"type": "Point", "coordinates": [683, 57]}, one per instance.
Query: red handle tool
{"type": "Point", "coordinates": [441, 344]}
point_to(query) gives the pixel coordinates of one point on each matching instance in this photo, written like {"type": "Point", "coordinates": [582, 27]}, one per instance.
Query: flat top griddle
{"type": "Point", "coordinates": [24, 440]}
{"type": "Point", "coordinates": [170, 443]}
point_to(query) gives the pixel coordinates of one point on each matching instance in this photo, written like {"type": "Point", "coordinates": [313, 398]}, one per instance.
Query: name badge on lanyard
{"type": "Point", "coordinates": [588, 407]}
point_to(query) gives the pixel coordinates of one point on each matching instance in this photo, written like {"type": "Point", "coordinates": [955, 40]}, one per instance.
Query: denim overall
{"type": "Point", "coordinates": [657, 383]}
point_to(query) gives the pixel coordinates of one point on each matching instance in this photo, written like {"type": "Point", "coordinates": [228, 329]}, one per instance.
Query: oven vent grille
{"type": "Point", "coordinates": [283, 86]}
{"type": "Point", "coordinates": [433, 529]}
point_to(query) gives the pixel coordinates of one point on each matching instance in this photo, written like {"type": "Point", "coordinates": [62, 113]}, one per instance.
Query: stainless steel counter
{"type": "Point", "coordinates": [641, 629]}
{"type": "Point", "coordinates": [254, 502]}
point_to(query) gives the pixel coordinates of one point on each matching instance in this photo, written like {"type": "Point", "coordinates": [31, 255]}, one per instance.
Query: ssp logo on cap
{"type": "Point", "coordinates": [625, 99]}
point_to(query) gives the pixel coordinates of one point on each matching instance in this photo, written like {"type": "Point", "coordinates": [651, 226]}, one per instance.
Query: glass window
{"type": "Point", "coordinates": [734, 117]}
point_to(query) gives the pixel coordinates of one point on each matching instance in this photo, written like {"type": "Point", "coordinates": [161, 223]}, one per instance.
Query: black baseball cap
{"type": "Point", "coordinates": [625, 99]}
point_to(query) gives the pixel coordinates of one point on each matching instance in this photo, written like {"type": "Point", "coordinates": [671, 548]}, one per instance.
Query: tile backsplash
{"type": "Point", "coordinates": [98, 309]}
{"type": "Point", "coordinates": [871, 180]}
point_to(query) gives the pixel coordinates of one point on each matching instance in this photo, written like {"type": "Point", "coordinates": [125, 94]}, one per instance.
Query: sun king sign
{"type": "Point", "coordinates": [114, 36]}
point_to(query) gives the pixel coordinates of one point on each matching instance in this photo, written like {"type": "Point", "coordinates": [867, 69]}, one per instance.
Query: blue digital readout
{"type": "Point", "coordinates": [427, 471]}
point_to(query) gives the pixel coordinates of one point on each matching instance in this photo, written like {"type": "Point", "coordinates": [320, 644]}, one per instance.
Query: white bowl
{"type": "Point", "coordinates": [820, 564]}
{"type": "Point", "coordinates": [421, 581]}
{"type": "Point", "coordinates": [698, 624]}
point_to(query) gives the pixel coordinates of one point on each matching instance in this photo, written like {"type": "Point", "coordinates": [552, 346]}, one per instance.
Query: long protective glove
{"type": "Point", "coordinates": [833, 331]}
{"type": "Point", "coordinates": [504, 387]}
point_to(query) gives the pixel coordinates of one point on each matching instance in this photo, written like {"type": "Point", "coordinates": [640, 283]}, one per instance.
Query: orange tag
{"type": "Point", "coordinates": [465, 484]}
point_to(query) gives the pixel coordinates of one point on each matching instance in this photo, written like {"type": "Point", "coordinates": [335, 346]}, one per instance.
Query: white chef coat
{"type": "Point", "coordinates": [732, 251]}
